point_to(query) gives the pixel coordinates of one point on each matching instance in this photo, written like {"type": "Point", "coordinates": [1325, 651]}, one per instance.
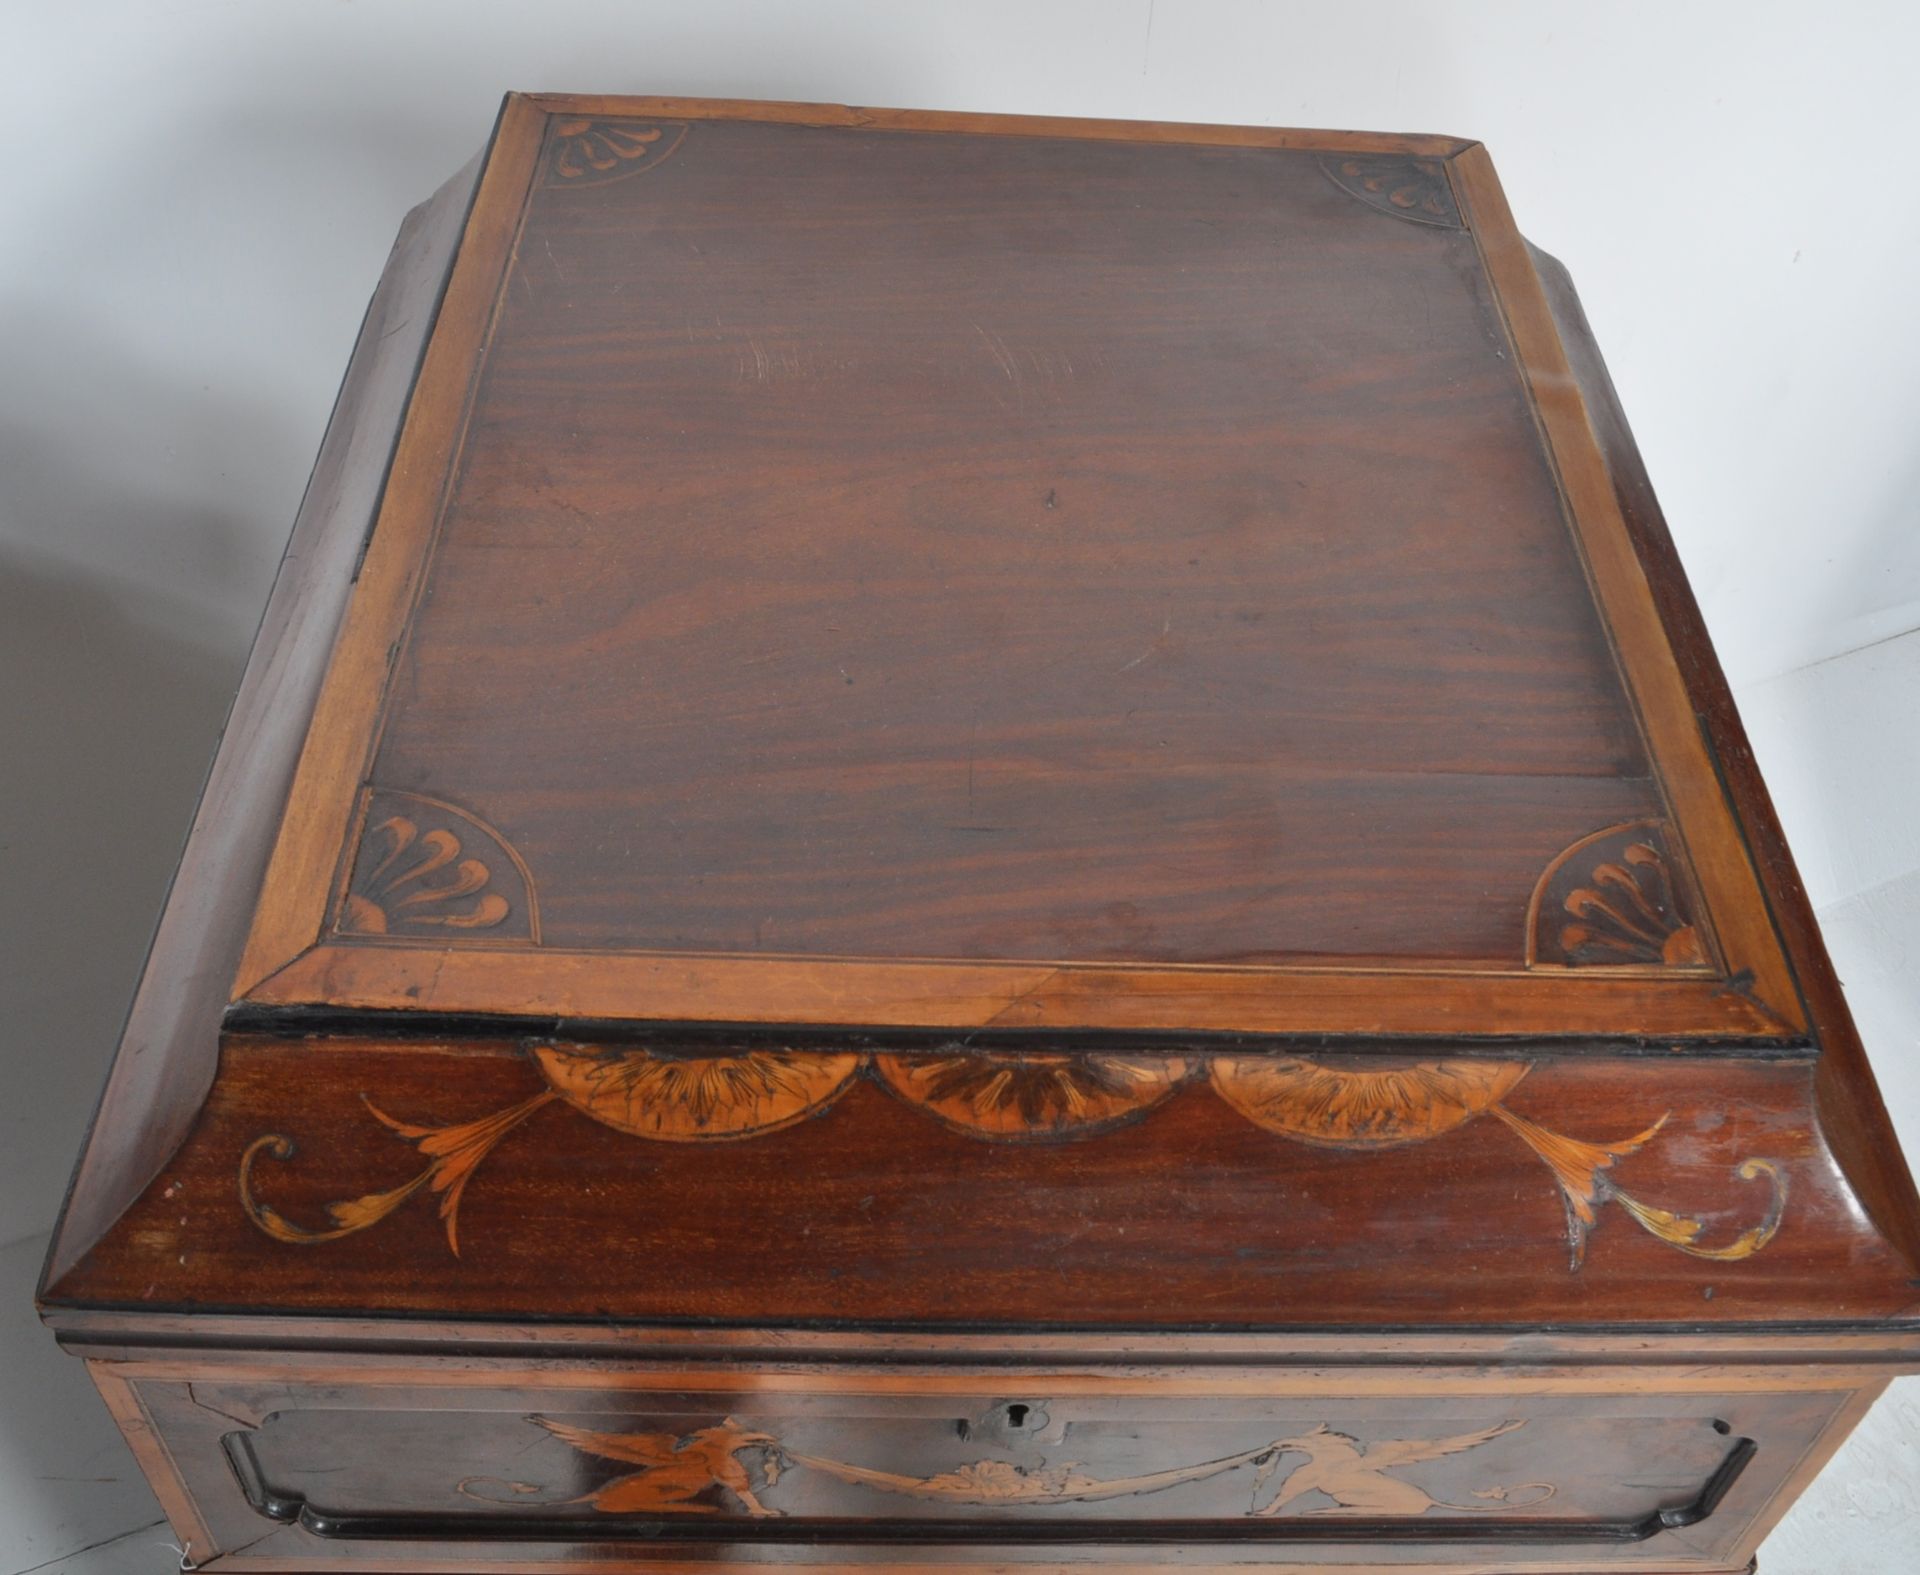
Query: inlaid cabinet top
{"type": "Point", "coordinates": [851, 568]}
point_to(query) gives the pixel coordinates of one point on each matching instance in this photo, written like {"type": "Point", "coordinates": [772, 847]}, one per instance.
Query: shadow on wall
{"type": "Point", "coordinates": [110, 723]}
{"type": "Point", "coordinates": [159, 413]}
{"type": "Point", "coordinates": [109, 720]}
{"type": "Point", "coordinates": [127, 594]}
{"type": "Point", "coordinates": [162, 404]}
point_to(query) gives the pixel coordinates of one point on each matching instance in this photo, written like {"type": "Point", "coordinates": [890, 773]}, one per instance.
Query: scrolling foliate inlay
{"type": "Point", "coordinates": [587, 152]}
{"type": "Point", "coordinates": [712, 1468]}
{"type": "Point", "coordinates": [1356, 1102]}
{"type": "Point", "coordinates": [427, 869]}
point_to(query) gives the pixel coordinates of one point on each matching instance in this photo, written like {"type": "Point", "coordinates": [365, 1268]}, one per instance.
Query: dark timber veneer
{"type": "Point", "coordinates": [970, 840]}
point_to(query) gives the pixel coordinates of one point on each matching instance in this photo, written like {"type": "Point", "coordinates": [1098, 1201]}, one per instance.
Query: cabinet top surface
{"type": "Point", "coordinates": [980, 725]}
{"type": "Point", "coordinates": [927, 572]}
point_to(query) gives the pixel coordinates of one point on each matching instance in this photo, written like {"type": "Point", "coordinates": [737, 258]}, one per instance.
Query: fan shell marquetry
{"type": "Point", "coordinates": [428, 870]}
{"type": "Point", "coordinates": [1409, 188]}
{"type": "Point", "coordinates": [586, 152]}
{"type": "Point", "coordinates": [691, 1099]}
{"type": "Point", "coordinates": [1362, 1104]}
{"type": "Point", "coordinates": [1616, 899]}
{"type": "Point", "coordinates": [1031, 1095]}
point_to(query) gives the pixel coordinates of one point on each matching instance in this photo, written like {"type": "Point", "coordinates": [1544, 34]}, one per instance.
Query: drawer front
{"type": "Point", "coordinates": [1439, 1471]}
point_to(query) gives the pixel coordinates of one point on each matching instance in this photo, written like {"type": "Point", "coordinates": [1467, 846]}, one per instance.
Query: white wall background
{"type": "Point", "coordinates": [196, 198]}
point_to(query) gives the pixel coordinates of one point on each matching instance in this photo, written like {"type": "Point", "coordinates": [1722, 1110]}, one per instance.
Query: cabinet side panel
{"type": "Point", "coordinates": [1852, 1115]}
{"type": "Point", "coordinates": [170, 1046]}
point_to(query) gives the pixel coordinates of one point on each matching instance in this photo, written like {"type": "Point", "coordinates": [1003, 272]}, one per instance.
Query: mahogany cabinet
{"type": "Point", "coordinates": [977, 841]}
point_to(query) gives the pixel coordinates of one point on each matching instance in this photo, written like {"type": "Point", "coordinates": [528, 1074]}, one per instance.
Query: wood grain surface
{"type": "Point", "coordinates": [878, 1210]}
{"type": "Point", "coordinates": [962, 840]}
{"type": "Point", "coordinates": [641, 1469]}
{"type": "Point", "coordinates": [858, 547]}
